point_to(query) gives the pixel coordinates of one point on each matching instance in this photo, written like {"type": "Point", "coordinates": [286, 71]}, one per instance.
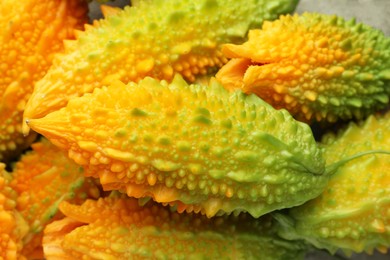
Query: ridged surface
{"type": "Point", "coordinates": [353, 212]}
{"type": "Point", "coordinates": [31, 32]}
{"type": "Point", "coordinates": [152, 38]}
{"type": "Point", "coordinates": [192, 144]}
{"type": "Point", "coordinates": [12, 225]}
{"type": "Point", "coordinates": [42, 179]}
{"type": "Point", "coordinates": [118, 228]}
{"type": "Point", "coordinates": [318, 67]}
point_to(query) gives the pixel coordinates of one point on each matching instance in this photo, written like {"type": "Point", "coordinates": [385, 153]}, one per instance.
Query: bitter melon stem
{"type": "Point", "coordinates": [332, 168]}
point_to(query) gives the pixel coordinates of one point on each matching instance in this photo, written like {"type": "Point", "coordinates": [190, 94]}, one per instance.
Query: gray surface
{"type": "Point", "coordinates": [94, 7]}
{"type": "Point", "coordinates": [372, 12]}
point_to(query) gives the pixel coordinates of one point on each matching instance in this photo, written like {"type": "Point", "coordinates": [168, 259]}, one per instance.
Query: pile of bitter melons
{"type": "Point", "coordinates": [181, 129]}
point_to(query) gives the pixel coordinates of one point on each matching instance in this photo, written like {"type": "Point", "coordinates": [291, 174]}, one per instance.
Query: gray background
{"type": "Point", "coordinates": [372, 12]}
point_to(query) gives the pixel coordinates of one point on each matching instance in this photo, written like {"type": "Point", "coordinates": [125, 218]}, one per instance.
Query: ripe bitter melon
{"type": "Point", "coordinates": [118, 228]}
{"type": "Point", "coordinates": [318, 67]}
{"type": "Point", "coordinates": [353, 213]}
{"type": "Point", "coordinates": [13, 227]}
{"type": "Point", "coordinates": [31, 32]}
{"type": "Point", "coordinates": [151, 38]}
{"type": "Point", "coordinates": [42, 178]}
{"type": "Point", "coordinates": [194, 144]}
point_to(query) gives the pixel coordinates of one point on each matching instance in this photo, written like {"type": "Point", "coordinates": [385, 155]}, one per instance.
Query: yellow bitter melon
{"type": "Point", "coordinates": [194, 144]}
{"type": "Point", "coordinates": [151, 38]}
{"type": "Point", "coordinates": [353, 213]}
{"type": "Point", "coordinates": [318, 67]}
{"type": "Point", "coordinates": [118, 228]}
{"type": "Point", "coordinates": [12, 225]}
{"type": "Point", "coordinates": [31, 31]}
{"type": "Point", "coordinates": [43, 178]}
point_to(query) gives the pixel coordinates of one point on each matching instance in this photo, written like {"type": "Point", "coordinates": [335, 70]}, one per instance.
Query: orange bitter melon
{"type": "Point", "coordinates": [12, 225]}
{"type": "Point", "coordinates": [118, 228]}
{"type": "Point", "coordinates": [318, 67]}
{"type": "Point", "coordinates": [43, 178]}
{"type": "Point", "coordinates": [31, 32]}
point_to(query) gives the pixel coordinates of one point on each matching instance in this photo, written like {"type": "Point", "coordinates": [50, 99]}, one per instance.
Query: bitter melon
{"type": "Point", "coordinates": [151, 38]}
{"type": "Point", "coordinates": [31, 31]}
{"type": "Point", "coordinates": [12, 226]}
{"type": "Point", "coordinates": [43, 178]}
{"type": "Point", "coordinates": [118, 228]}
{"type": "Point", "coordinates": [192, 144]}
{"type": "Point", "coordinates": [353, 212]}
{"type": "Point", "coordinates": [318, 67]}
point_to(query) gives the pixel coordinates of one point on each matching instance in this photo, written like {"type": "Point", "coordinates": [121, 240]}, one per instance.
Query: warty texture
{"type": "Point", "coordinates": [352, 213]}
{"type": "Point", "coordinates": [151, 38]}
{"type": "Point", "coordinates": [31, 32]}
{"type": "Point", "coordinates": [194, 144]}
{"type": "Point", "coordinates": [318, 67]}
{"type": "Point", "coordinates": [13, 227]}
{"type": "Point", "coordinates": [118, 228]}
{"type": "Point", "coordinates": [42, 178]}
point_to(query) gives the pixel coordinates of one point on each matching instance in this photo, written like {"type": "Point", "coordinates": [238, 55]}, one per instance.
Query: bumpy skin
{"type": "Point", "coordinates": [198, 145]}
{"type": "Point", "coordinates": [12, 228]}
{"type": "Point", "coordinates": [42, 179]}
{"type": "Point", "coordinates": [152, 38]}
{"type": "Point", "coordinates": [31, 31]}
{"type": "Point", "coordinates": [318, 67]}
{"type": "Point", "coordinates": [353, 212]}
{"type": "Point", "coordinates": [118, 228]}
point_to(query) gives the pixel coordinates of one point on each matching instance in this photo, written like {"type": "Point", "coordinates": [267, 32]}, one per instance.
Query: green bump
{"type": "Point", "coordinates": [165, 166]}
{"type": "Point", "coordinates": [217, 174]}
{"type": "Point", "coordinates": [385, 74]}
{"type": "Point", "coordinates": [241, 176]}
{"type": "Point", "coordinates": [136, 34]}
{"type": "Point", "coordinates": [93, 55]}
{"type": "Point", "coordinates": [136, 112]}
{"type": "Point", "coordinates": [121, 132]}
{"type": "Point", "coordinates": [201, 119]}
{"type": "Point", "coordinates": [202, 111]}
{"type": "Point", "coordinates": [346, 44]}
{"type": "Point", "coordinates": [218, 151]}
{"type": "Point", "coordinates": [148, 138]}
{"type": "Point", "coordinates": [355, 102]}
{"type": "Point", "coordinates": [273, 179]}
{"type": "Point", "coordinates": [184, 146]}
{"type": "Point", "coordinates": [164, 140]}
{"type": "Point", "coordinates": [246, 156]}
{"type": "Point", "coordinates": [204, 146]}
{"type": "Point", "coordinates": [210, 5]}
{"type": "Point", "coordinates": [176, 17]}
{"type": "Point", "coordinates": [195, 168]}
{"type": "Point", "coordinates": [365, 76]}
{"type": "Point", "coordinates": [227, 123]}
